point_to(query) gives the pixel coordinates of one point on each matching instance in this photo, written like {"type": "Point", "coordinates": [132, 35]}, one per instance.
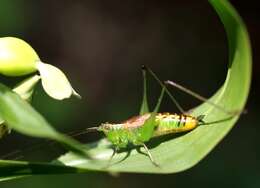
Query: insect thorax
{"type": "Point", "coordinates": [118, 135]}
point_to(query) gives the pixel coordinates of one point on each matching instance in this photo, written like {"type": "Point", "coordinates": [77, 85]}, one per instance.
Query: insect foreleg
{"type": "Point", "coordinates": [113, 154]}
{"type": "Point", "coordinates": [111, 157]}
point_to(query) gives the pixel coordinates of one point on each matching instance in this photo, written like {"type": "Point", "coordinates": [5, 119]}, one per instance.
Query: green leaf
{"type": "Point", "coordinates": [20, 116]}
{"type": "Point", "coordinates": [184, 152]}
{"type": "Point", "coordinates": [25, 88]}
{"type": "Point", "coordinates": [54, 82]}
{"type": "Point", "coordinates": [18, 169]}
{"type": "Point", "coordinates": [25, 91]}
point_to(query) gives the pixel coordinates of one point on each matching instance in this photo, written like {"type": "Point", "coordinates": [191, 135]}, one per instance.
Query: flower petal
{"type": "Point", "coordinates": [54, 82]}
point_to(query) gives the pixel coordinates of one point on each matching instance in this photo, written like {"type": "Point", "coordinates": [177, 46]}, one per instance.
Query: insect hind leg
{"type": "Point", "coordinates": [144, 107]}
{"type": "Point", "coordinates": [204, 99]}
{"type": "Point", "coordinates": [145, 68]}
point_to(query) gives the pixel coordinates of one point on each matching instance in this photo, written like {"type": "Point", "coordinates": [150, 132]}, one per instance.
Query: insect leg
{"type": "Point", "coordinates": [145, 132]}
{"type": "Point", "coordinates": [144, 107]}
{"type": "Point", "coordinates": [113, 154]}
{"type": "Point", "coordinates": [203, 99]}
{"type": "Point", "coordinates": [111, 157]}
{"type": "Point", "coordinates": [150, 155]}
{"type": "Point", "coordinates": [166, 90]}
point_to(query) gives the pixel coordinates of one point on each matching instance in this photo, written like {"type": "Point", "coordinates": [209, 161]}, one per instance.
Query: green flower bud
{"type": "Point", "coordinates": [17, 57]}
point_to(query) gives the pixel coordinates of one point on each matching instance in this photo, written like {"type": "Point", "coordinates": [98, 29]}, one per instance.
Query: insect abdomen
{"type": "Point", "coordinates": [174, 123]}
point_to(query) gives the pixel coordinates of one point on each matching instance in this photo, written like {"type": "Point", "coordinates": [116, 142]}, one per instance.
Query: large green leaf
{"type": "Point", "coordinates": [24, 90]}
{"type": "Point", "coordinates": [180, 153]}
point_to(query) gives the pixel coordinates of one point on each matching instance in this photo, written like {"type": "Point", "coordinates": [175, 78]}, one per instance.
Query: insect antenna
{"type": "Point", "coordinates": [85, 131]}
{"type": "Point", "coordinates": [19, 153]}
{"type": "Point", "coordinates": [13, 153]}
{"type": "Point", "coordinates": [166, 89]}
{"type": "Point", "coordinates": [203, 99]}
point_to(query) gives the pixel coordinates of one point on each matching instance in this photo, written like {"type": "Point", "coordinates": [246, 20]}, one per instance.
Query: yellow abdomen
{"type": "Point", "coordinates": [173, 123]}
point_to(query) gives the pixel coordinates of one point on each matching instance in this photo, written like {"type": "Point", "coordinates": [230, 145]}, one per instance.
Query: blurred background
{"type": "Point", "coordinates": [101, 46]}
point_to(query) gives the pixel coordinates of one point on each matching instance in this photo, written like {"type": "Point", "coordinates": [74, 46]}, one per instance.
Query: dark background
{"type": "Point", "coordinates": [101, 46]}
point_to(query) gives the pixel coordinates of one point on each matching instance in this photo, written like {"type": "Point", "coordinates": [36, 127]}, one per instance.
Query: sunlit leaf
{"type": "Point", "coordinates": [24, 90]}
{"type": "Point", "coordinates": [20, 116]}
{"type": "Point", "coordinates": [183, 152]}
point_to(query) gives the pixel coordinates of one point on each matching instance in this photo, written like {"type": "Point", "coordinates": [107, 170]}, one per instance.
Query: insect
{"type": "Point", "coordinates": [140, 129]}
